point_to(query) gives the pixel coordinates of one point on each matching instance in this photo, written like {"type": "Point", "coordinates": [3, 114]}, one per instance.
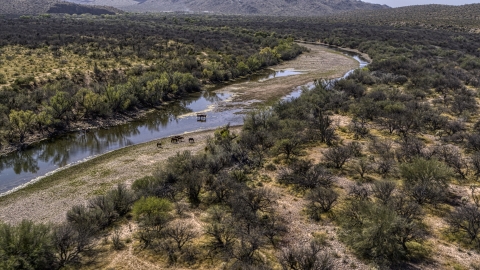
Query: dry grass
{"type": "Point", "coordinates": [18, 61]}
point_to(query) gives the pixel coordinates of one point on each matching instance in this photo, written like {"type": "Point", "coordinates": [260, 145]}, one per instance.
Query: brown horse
{"type": "Point", "coordinates": [159, 144]}
{"type": "Point", "coordinates": [191, 140]}
{"type": "Point", "coordinates": [174, 140]}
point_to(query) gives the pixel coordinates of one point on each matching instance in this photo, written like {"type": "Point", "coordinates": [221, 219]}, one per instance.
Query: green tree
{"type": "Point", "coordinates": [60, 106]}
{"type": "Point", "coordinates": [152, 214]}
{"type": "Point", "coordinates": [93, 103]}
{"type": "Point", "coordinates": [22, 122]}
{"type": "Point", "coordinates": [26, 246]}
{"type": "Point", "coordinates": [381, 232]}
{"type": "Point", "coordinates": [118, 97]}
{"type": "Point", "coordinates": [243, 68]}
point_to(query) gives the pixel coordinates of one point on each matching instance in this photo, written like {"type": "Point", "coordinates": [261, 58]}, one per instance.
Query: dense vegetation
{"type": "Point", "coordinates": [408, 158]}
{"type": "Point", "coordinates": [58, 71]}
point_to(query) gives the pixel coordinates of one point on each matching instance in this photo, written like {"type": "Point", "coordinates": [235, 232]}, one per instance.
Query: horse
{"type": "Point", "coordinates": [180, 138]}
{"type": "Point", "coordinates": [159, 144]}
{"type": "Point", "coordinates": [174, 140]}
{"type": "Point", "coordinates": [191, 140]}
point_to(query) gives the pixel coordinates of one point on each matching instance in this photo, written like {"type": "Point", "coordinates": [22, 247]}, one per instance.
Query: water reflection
{"type": "Point", "coordinates": [281, 73]}
{"type": "Point", "coordinates": [178, 117]}
{"type": "Point", "coordinates": [22, 166]}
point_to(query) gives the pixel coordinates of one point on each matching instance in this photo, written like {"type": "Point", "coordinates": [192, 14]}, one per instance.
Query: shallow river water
{"type": "Point", "coordinates": [23, 167]}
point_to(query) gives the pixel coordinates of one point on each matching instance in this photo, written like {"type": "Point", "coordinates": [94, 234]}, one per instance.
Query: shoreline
{"type": "Point", "coordinates": [70, 165]}
{"type": "Point", "coordinates": [363, 55]}
{"type": "Point", "coordinates": [59, 191]}
{"type": "Point", "coordinates": [138, 113]}
{"type": "Point", "coordinates": [115, 119]}
{"type": "Point", "coordinates": [49, 197]}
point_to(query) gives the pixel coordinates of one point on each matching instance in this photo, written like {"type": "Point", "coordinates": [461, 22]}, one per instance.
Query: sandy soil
{"type": "Point", "coordinates": [49, 199]}
{"type": "Point", "coordinates": [48, 202]}
{"type": "Point", "coordinates": [319, 63]}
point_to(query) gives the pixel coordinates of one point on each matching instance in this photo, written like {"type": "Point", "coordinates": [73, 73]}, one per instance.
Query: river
{"type": "Point", "coordinates": [48, 156]}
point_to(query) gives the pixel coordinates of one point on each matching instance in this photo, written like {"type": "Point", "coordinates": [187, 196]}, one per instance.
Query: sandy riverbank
{"type": "Point", "coordinates": [319, 63]}
{"type": "Point", "coordinates": [50, 198]}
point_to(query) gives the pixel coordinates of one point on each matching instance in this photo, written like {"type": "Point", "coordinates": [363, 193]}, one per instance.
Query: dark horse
{"type": "Point", "coordinates": [191, 140]}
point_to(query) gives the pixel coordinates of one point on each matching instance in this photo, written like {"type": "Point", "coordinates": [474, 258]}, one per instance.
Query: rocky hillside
{"type": "Point", "coordinates": [34, 7]}
{"type": "Point", "coordinates": [270, 7]}
{"type": "Point", "coordinates": [21, 7]}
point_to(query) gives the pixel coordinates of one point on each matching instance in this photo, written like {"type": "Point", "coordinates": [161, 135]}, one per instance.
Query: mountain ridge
{"type": "Point", "coordinates": [36, 7]}
{"type": "Point", "coordinates": [239, 7]}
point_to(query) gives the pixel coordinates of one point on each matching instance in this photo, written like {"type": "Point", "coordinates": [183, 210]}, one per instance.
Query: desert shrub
{"type": "Point", "coordinates": [337, 156]}
{"type": "Point", "coordinates": [122, 199]}
{"type": "Point", "coordinates": [69, 243]}
{"type": "Point", "coordinates": [220, 230]}
{"type": "Point", "coordinates": [362, 166]}
{"type": "Point", "coordinates": [465, 220]}
{"type": "Point", "coordinates": [453, 157]}
{"type": "Point", "coordinates": [311, 257]}
{"type": "Point", "coordinates": [3, 78]}
{"type": "Point", "coordinates": [305, 175]}
{"type": "Point", "coordinates": [152, 215]}
{"type": "Point", "coordinates": [180, 233]}
{"type": "Point", "coordinates": [380, 232]}
{"type": "Point", "coordinates": [26, 246]}
{"type": "Point", "coordinates": [426, 180]}
{"type": "Point", "coordinates": [384, 191]}
{"type": "Point", "coordinates": [321, 200]}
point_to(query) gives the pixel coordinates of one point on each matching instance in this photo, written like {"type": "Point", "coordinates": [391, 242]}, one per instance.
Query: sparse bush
{"type": "Point", "coordinates": [362, 166]}
{"type": "Point", "coordinates": [3, 78]}
{"type": "Point", "coordinates": [180, 232]}
{"type": "Point", "coordinates": [312, 257]}
{"type": "Point", "coordinates": [337, 156]}
{"type": "Point", "coordinates": [116, 241]}
{"type": "Point", "coordinates": [69, 243]}
{"type": "Point", "coordinates": [384, 191]}
{"type": "Point", "coordinates": [321, 200]}
{"type": "Point", "coordinates": [305, 175]}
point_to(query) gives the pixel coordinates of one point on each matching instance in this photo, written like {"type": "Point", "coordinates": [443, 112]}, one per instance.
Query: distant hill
{"type": "Point", "coordinates": [459, 18]}
{"type": "Point", "coordinates": [22, 7]}
{"type": "Point", "coordinates": [71, 8]}
{"type": "Point", "coordinates": [35, 7]}
{"type": "Point", "coordinates": [266, 7]}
